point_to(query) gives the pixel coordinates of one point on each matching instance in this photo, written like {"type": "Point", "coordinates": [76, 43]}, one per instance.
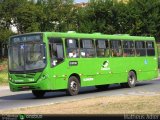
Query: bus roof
{"type": "Point", "coordinates": [72, 34]}
{"type": "Point", "coordinates": [96, 36]}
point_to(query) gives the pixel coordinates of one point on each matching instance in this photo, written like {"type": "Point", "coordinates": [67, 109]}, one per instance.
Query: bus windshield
{"type": "Point", "coordinates": [26, 56]}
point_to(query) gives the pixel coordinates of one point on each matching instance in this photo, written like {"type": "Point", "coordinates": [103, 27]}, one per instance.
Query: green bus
{"type": "Point", "coordinates": [50, 61]}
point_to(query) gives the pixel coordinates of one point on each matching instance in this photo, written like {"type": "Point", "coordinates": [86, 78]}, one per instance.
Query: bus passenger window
{"type": "Point", "coordinates": [72, 48]}
{"type": "Point", "coordinates": [150, 48]}
{"type": "Point", "coordinates": [128, 49]}
{"type": "Point", "coordinates": [87, 48]}
{"type": "Point", "coordinates": [102, 48]}
{"type": "Point", "coordinates": [56, 51]}
{"type": "Point", "coordinates": [140, 48]}
{"type": "Point", "coordinates": [116, 48]}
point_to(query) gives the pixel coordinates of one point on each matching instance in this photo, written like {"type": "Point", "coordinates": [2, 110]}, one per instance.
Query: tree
{"type": "Point", "coordinates": [5, 33]}
{"type": "Point", "coordinates": [26, 17]}
{"type": "Point", "coordinates": [145, 17]}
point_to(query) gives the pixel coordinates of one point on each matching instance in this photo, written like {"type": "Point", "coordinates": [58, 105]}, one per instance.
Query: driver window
{"type": "Point", "coordinates": [56, 51]}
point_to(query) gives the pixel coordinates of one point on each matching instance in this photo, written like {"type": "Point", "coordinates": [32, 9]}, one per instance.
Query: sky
{"type": "Point", "coordinates": [79, 1]}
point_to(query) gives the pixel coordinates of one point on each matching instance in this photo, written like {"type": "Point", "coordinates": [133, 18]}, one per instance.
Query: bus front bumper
{"type": "Point", "coordinates": [39, 85]}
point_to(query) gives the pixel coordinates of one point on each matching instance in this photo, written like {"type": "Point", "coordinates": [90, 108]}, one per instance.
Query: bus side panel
{"type": "Point", "coordinates": [87, 70]}
{"type": "Point", "coordinates": [101, 71]}
{"type": "Point", "coordinates": [118, 70]}
{"type": "Point", "coordinates": [149, 70]}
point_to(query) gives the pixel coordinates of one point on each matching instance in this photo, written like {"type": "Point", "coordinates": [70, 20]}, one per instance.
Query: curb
{"type": "Point", "coordinates": [4, 87]}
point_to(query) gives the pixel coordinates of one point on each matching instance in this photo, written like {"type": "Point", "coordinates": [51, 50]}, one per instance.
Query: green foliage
{"type": "Point", "coordinates": [4, 34]}
{"type": "Point", "coordinates": [3, 72]}
{"type": "Point", "coordinates": [136, 17]}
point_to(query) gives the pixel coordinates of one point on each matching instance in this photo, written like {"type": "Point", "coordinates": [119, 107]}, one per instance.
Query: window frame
{"type": "Point", "coordinates": [77, 48]}
{"type": "Point", "coordinates": [105, 49]}
{"type": "Point", "coordinates": [112, 50]}
{"type": "Point", "coordinates": [129, 48]}
{"type": "Point", "coordinates": [140, 49]}
{"type": "Point", "coordinates": [150, 49]}
{"type": "Point", "coordinates": [62, 42]}
{"type": "Point", "coordinates": [86, 49]}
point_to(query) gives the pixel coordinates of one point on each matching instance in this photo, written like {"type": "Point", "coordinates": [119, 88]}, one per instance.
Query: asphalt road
{"type": "Point", "coordinates": [9, 100]}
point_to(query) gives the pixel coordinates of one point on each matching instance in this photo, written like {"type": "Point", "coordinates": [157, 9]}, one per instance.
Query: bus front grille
{"type": "Point", "coordinates": [31, 75]}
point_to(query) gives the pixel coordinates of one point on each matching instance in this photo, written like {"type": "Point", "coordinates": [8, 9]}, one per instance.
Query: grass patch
{"type": "Point", "coordinates": [3, 72]}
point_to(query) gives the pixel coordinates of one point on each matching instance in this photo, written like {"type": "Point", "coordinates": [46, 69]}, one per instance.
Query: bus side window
{"type": "Point", "coordinates": [56, 51]}
{"type": "Point", "coordinates": [72, 48]}
{"type": "Point", "coordinates": [102, 48]}
{"type": "Point", "coordinates": [116, 48]}
{"type": "Point", "coordinates": [140, 48]}
{"type": "Point", "coordinates": [150, 48]}
{"type": "Point", "coordinates": [128, 48]}
{"type": "Point", "coordinates": [87, 48]}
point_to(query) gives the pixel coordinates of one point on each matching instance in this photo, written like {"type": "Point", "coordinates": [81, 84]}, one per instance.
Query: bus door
{"type": "Point", "coordinates": [58, 66]}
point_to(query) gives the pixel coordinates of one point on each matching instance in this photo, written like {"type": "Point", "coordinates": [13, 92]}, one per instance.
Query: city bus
{"type": "Point", "coordinates": [51, 61]}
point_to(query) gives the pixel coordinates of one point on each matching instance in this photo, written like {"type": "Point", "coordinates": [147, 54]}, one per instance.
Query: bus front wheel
{"type": "Point", "coordinates": [38, 93]}
{"type": "Point", "coordinates": [73, 86]}
{"type": "Point", "coordinates": [131, 80]}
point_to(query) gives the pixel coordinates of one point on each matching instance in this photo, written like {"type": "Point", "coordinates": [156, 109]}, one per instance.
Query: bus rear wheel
{"type": "Point", "coordinates": [38, 93]}
{"type": "Point", "coordinates": [73, 86]}
{"type": "Point", "coordinates": [131, 80]}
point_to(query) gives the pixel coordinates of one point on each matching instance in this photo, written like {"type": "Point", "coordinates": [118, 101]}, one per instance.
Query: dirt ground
{"type": "Point", "coordinates": [101, 105]}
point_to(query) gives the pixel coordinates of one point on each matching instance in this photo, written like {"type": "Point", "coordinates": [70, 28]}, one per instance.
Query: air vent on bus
{"type": "Point", "coordinates": [31, 75]}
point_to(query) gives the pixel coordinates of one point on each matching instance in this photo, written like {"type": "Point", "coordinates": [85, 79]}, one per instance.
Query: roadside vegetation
{"type": "Point", "coordinates": [3, 72]}
{"type": "Point", "coordinates": [140, 104]}
{"type": "Point", "coordinates": [134, 17]}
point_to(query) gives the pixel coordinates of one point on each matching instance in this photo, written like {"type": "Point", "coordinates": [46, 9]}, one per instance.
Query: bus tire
{"type": "Point", "coordinates": [102, 87]}
{"type": "Point", "coordinates": [73, 86]}
{"type": "Point", "coordinates": [38, 93]}
{"type": "Point", "coordinates": [131, 80]}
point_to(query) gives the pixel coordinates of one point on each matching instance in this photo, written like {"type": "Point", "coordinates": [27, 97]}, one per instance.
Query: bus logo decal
{"type": "Point", "coordinates": [105, 65]}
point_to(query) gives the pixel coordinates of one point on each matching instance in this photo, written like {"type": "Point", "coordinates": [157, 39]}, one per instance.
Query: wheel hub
{"type": "Point", "coordinates": [131, 80]}
{"type": "Point", "coordinates": [73, 86]}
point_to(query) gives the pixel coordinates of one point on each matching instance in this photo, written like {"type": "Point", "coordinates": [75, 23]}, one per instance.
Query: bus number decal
{"type": "Point", "coordinates": [73, 63]}
{"type": "Point", "coordinates": [87, 79]}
